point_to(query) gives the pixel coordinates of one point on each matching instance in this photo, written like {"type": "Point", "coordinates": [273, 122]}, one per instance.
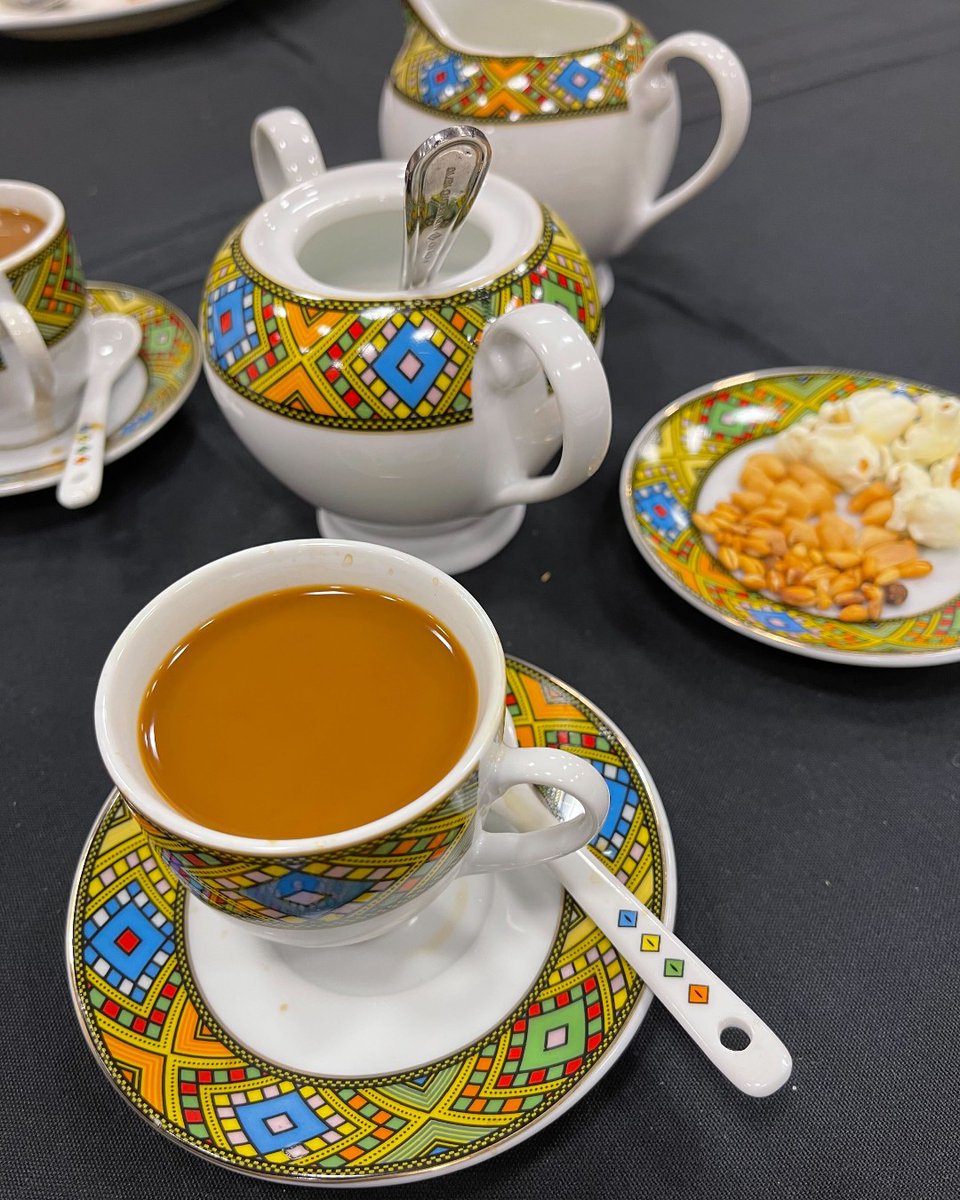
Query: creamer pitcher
{"type": "Point", "coordinates": [577, 100]}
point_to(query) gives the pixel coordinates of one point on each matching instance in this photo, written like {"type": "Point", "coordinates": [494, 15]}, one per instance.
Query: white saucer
{"type": "Point", "coordinates": [496, 1008]}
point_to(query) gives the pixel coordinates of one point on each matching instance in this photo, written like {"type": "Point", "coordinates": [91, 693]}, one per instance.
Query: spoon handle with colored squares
{"type": "Point", "coordinates": [694, 995]}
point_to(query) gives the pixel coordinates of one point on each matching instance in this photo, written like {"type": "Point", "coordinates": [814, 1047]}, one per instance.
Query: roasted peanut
{"type": "Point", "coordinates": [727, 510]}
{"type": "Point", "coordinates": [772, 465]}
{"type": "Point", "coordinates": [878, 513]}
{"type": "Point", "coordinates": [876, 535]}
{"type": "Point", "coordinates": [895, 593]}
{"type": "Point", "coordinates": [800, 533]}
{"type": "Point", "coordinates": [842, 559]}
{"type": "Point", "coordinates": [804, 474]}
{"type": "Point", "coordinates": [846, 581]}
{"type": "Point", "coordinates": [867, 495]}
{"type": "Point", "coordinates": [820, 497]}
{"type": "Point", "coordinates": [803, 597]}
{"type": "Point", "coordinates": [756, 545]}
{"type": "Point", "coordinates": [835, 533]}
{"type": "Point", "coordinates": [822, 571]}
{"type": "Point", "coordinates": [893, 554]}
{"type": "Point", "coordinates": [792, 495]}
{"type": "Point", "coordinates": [770, 510]}
{"type": "Point", "coordinates": [752, 479]}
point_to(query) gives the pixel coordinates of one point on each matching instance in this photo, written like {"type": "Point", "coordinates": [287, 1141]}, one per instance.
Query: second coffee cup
{"type": "Point", "coordinates": [43, 316]}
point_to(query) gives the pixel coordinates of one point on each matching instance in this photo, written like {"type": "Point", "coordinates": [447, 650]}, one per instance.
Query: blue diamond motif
{"type": "Point", "coordinates": [128, 941]}
{"type": "Point", "coordinates": [410, 364]}
{"type": "Point", "coordinates": [578, 79]}
{"type": "Point", "coordinates": [659, 508]}
{"type": "Point", "coordinates": [621, 794]}
{"type": "Point", "coordinates": [442, 80]}
{"type": "Point", "coordinates": [627, 918]}
{"type": "Point", "coordinates": [300, 895]}
{"type": "Point", "coordinates": [279, 1122]}
{"type": "Point", "coordinates": [779, 622]}
{"type": "Point", "coordinates": [227, 324]}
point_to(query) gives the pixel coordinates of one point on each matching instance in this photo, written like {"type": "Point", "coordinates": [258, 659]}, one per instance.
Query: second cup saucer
{"type": "Point", "coordinates": [145, 397]}
{"type": "Point", "coordinates": [505, 1010]}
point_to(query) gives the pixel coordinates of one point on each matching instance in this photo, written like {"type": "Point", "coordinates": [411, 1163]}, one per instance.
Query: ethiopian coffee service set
{"type": "Point", "coordinates": [406, 344]}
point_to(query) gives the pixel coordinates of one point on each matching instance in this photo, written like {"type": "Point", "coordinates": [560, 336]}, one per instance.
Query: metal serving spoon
{"type": "Point", "coordinates": [443, 178]}
{"type": "Point", "coordinates": [689, 990]}
{"type": "Point", "coordinates": [114, 342]}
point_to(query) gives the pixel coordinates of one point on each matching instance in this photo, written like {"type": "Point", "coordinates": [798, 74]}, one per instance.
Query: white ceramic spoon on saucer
{"type": "Point", "coordinates": [691, 992]}
{"type": "Point", "coordinates": [114, 342]}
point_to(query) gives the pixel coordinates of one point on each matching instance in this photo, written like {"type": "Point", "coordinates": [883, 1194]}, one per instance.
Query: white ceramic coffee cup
{"type": "Point", "coordinates": [440, 835]}
{"type": "Point", "coordinates": [43, 348]}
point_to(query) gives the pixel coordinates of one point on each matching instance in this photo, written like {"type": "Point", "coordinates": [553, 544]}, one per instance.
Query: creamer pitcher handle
{"type": "Point", "coordinates": [580, 390]}
{"type": "Point", "coordinates": [650, 90]}
{"type": "Point", "coordinates": [28, 341]}
{"type": "Point", "coordinates": [285, 151]}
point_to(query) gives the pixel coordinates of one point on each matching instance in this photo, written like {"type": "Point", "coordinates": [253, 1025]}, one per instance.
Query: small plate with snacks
{"type": "Point", "coordinates": [814, 509]}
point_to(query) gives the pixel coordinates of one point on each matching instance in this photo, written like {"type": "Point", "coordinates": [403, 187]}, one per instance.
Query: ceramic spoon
{"type": "Point", "coordinates": [114, 342]}
{"type": "Point", "coordinates": [443, 178]}
{"type": "Point", "coordinates": [698, 999]}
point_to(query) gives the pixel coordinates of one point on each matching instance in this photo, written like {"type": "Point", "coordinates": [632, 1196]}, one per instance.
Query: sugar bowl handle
{"type": "Point", "coordinates": [285, 151]}
{"type": "Point", "coordinates": [570, 363]}
{"type": "Point", "coordinates": [651, 89]}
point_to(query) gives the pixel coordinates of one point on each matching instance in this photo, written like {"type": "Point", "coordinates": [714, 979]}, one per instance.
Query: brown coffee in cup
{"type": "Point", "coordinates": [17, 228]}
{"type": "Point", "coordinates": [307, 711]}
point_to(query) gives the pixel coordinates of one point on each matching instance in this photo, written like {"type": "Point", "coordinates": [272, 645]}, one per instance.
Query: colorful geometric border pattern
{"type": "Point", "coordinates": [50, 287]}
{"type": "Point", "coordinates": [341, 887]}
{"type": "Point", "coordinates": [169, 350]}
{"type": "Point", "coordinates": [390, 366]}
{"type": "Point", "coordinates": [165, 1053]}
{"type": "Point", "coordinates": [436, 77]}
{"type": "Point", "coordinates": [665, 490]}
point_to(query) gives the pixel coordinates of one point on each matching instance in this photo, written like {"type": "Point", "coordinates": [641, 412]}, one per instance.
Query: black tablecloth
{"type": "Point", "coordinates": [814, 808]}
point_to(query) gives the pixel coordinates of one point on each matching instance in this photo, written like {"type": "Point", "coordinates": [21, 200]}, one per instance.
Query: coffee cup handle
{"type": "Point", "coordinates": [22, 330]}
{"type": "Point", "coordinates": [651, 89]}
{"type": "Point", "coordinates": [570, 363]}
{"type": "Point", "coordinates": [285, 151]}
{"type": "Point", "coordinates": [540, 768]}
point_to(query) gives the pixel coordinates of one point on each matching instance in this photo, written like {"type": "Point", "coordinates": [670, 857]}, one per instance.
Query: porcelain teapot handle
{"type": "Point", "coordinates": [651, 89]}
{"type": "Point", "coordinates": [285, 151]}
{"type": "Point", "coordinates": [22, 330]}
{"type": "Point", "coordinates": [579, 386]}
